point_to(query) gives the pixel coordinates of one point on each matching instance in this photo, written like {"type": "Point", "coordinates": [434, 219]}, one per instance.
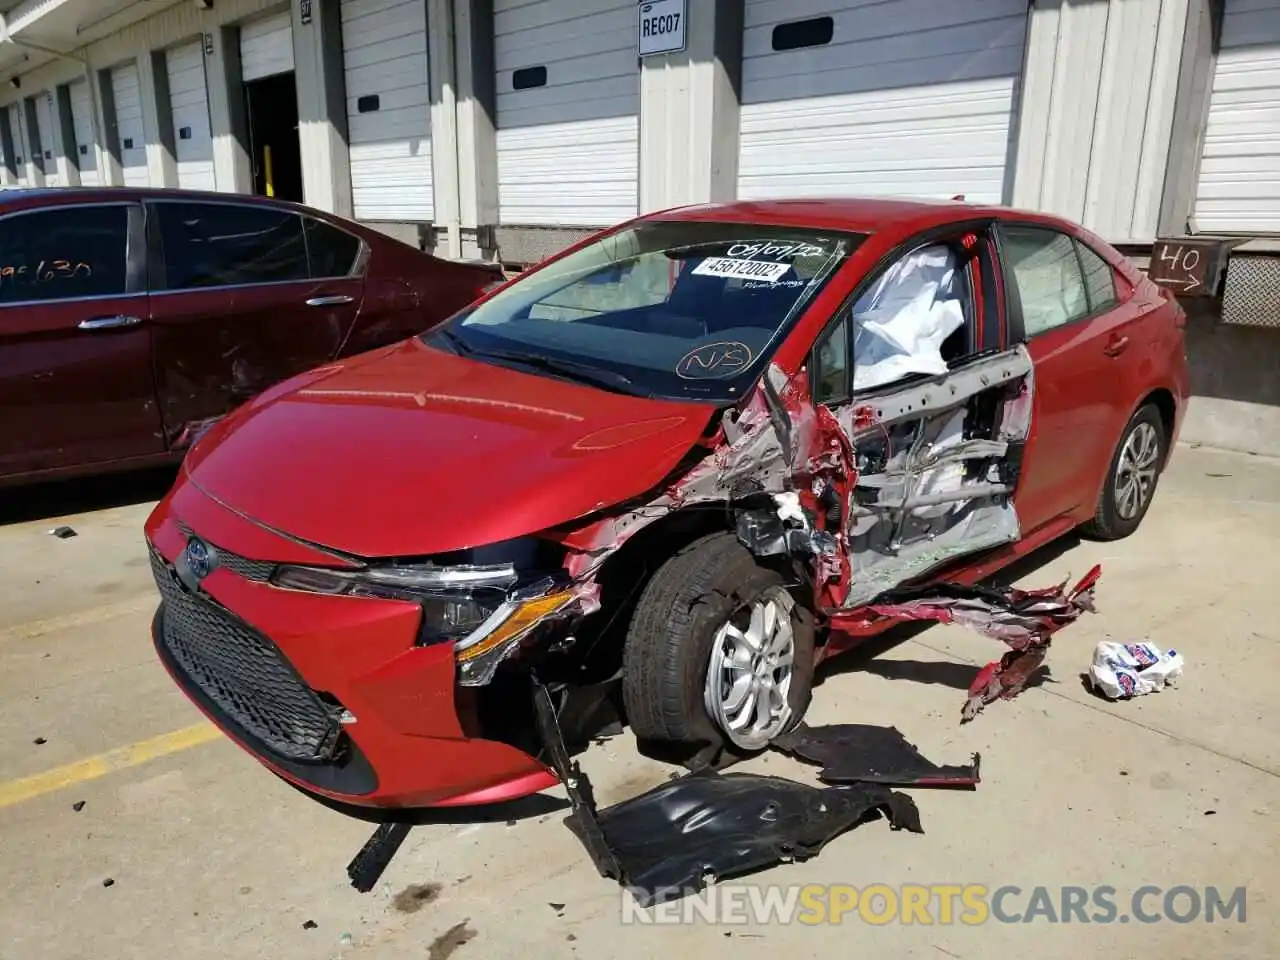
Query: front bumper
{"type": "Point", "coordinates": [328, 692]}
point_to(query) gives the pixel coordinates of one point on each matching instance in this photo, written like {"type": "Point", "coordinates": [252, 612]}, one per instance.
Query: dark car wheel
{"type": "Point", "coordinates": [1131, 481]}
{"type": "Point", "coordinates": [718, 652]}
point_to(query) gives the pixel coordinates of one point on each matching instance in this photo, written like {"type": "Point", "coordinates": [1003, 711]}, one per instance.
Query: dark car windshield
{"type": "Point", "coordinates": [676, 309]}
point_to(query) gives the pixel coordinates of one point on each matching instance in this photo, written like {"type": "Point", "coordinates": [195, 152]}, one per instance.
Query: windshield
{"type": "Point", "coordinates": [672, 309]}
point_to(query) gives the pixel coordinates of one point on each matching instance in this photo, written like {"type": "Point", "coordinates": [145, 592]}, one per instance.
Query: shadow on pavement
{"type": "Point", "coordinates": [83, 495]}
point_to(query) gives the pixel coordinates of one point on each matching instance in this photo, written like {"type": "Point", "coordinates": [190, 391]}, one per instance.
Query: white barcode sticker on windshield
{"type": "Point", "coordinates": [742, 269]}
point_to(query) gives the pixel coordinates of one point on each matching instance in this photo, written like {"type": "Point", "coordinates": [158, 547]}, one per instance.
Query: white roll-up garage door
{"type": "Point", "coordinates": [1239, 184]}
{"type": "Point", "coordinates": [911, 98]}
{"type": "Point", "coordinates": [568, 103]}
{"type": "Point", "coordinates": [82, 123]}
{"type": "Point", "coordinates": [21, 153]}
{"type": "Point", "coordinates": [384, 50]}
{"type": "Point", "coordinates": [129, 131]}
{"type": "Point", "coordinates": [266, 47]}
{"type": "Point", "coordinates": [49, 136]}
{"type": "Point", "coordinates": [189, 100]}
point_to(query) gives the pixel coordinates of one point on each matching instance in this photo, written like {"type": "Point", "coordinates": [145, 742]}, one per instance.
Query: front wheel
{"type": "Point", "coordinates": [718, 651]}
{"type": "Point", "coordinates": [1131, 481]}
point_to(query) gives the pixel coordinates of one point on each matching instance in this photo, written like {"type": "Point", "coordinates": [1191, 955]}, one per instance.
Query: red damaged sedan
{"type": "Point", "coordinates": [662, 476]}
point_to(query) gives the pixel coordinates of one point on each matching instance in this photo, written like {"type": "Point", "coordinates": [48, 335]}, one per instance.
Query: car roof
{"type": "Point", "coordinates": [855, 214]}
{"type": "Point", "coordinates": [15, 197]}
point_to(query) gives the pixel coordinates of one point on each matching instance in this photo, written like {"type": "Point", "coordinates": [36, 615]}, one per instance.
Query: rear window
{"type": "Point", "coordinates": [680, 309]}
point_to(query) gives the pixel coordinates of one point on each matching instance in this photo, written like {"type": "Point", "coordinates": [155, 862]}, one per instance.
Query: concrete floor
{"type": "Point", "coordinates": [211, 857]}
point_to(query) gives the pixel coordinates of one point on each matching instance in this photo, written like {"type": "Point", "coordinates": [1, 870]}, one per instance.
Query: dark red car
{"type": "Point", "coordinates": [129, 319]}
{"type": "Point", "coordinates": [668, 472]}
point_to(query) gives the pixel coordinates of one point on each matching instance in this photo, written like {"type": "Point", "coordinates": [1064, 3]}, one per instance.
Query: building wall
{"type": "Point", "coordinates": [1110, 118]}
{"type": "Point", "coordinates": [1098, 103]}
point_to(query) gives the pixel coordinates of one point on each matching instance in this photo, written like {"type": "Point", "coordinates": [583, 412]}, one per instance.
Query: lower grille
{"type": "Point", "coordinates": [244, 673]}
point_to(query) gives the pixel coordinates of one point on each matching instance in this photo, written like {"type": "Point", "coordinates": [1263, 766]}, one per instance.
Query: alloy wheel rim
{"type": "Point", "coordinates": [748, 686]}
{"type": "Point", "coordinates": [1136, 471]}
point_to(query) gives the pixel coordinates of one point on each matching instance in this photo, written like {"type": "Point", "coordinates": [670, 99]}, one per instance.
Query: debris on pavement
{"type": "Point", "coordinates": [78, 806]}
{"type": "Point", "coordinates": [39, 741]}
{"type": "Point", "coordinates": [309, 925]}
{"type": "Point", "coordinates": [108, 882]}
{"type": "Point", "coordinates": [669, 842]}
{"type": "Point", "coordinates": [367, 867]}
{"type": "Point", "coordinates": [1121, 671]}
{"type": "Point", "coordinates": [672, 841]}
{"type": "Point", "coordinates": [63, 533]}
{"type": "Point", "coordinates": [862, 753]}
{"type": "Point", "coordinates": [1026, 620]}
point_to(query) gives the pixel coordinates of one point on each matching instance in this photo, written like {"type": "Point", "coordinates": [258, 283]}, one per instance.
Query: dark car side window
{"type": "Point", "coordinates": [1046, 269]}
{"type": "Point", "coordinates": [222, 245]}
{"type": "Point", "coordinates": [332, 252]}
{"type": "Point", "coordinates": [64, 253]}
{"type": "Point", "coordinates": [1099, 279]}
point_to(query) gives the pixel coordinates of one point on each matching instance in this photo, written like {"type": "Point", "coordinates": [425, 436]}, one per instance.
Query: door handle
{"type": "Point", "coordinates": [333, 301]}
{"type": "Point", "coordinates": [109, 323]}
{"type": "Point", "coordinates": [1116, 346]}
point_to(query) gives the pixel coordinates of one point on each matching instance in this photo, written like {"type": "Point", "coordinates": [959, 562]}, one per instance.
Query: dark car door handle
{"type": "Point", "coordinates": [329, 301]}
{"type": "Point", "coordinates": [110, 323]}
{"type": "Point", "coordinates": [1115, 346]}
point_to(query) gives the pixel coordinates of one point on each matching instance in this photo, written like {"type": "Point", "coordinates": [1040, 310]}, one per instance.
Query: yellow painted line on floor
{"type": "Point", "coordinates": [81, 618]}
{"type": "Point", "coordinates": [91, 768]}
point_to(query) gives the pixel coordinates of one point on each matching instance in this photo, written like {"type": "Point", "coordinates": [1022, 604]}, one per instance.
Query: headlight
{"type": "Point", "coordinates": [454, 600]}
{"type": "Point", "coordinates": [477, 608]}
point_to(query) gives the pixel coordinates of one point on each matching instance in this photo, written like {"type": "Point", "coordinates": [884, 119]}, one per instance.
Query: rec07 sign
{"type": "Point", "coordinates": [662, 27]}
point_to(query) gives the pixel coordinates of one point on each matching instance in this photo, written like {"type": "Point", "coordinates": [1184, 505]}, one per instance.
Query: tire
{"type": "Point", "coordinates": [672, 637]}
{"type": "Point", "coordinates": [1144, 443]}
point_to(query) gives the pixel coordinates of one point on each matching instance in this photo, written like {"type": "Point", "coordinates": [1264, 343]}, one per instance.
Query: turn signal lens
{"type": "Point", "coordinates": [516, 623]}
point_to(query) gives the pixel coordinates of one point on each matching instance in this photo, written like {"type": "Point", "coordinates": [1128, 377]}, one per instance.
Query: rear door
{"type": "Point", "coordinates": [238, 304]}
{"type": "Point", "coordinates": [1079, 338]}
{"type": "Point", "coordinates": [75, 357]}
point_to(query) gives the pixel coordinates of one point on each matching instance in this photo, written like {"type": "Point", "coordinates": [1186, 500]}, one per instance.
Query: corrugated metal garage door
{"type": "Point", "coordinates": [189, 99]}
{"type": "Point", "coordinates": [568, 98]}
{"type": "Point", "coordinates": [1239, 188]}
{"type": "Point", "coordinates": [82, 122]}
{"type": "Point", "coordinates": [266, 47]}
{"type": "Point", "coordinates": [50, 141]}
{"type": "Point", "coordinates": [22, 155]}
{"type": "Point", "coordinates": [384, 50]}
{"type": "Point", "coordinates": [911, 98]}
{"type": "Point", "coordinates": [133, 144]}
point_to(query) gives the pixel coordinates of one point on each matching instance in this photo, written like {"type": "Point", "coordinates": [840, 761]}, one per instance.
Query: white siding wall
{"type": "Point", "coordinates": [384, 49]}
{"type": "Point", "coordinates": [129, 129]}
{"type": "Point", "coordinates": [1097, 112]}
{"type": "Point", "coordinates": [266, 47]}
{"type": "Point", "coordinates": [189, 100]}
{"type": "Point", "coordinates": [568, 151]}
{"type": "Point", "coordinates": [50, 137]}
{"type": "Point", "coordinates": [82, 120]}
{"type": "Point", "coordinates": [1239, 184]}
{"type": "Point", "coordinates": [21, 145]}
{"type": "Point", "coordinates": [911, 98]}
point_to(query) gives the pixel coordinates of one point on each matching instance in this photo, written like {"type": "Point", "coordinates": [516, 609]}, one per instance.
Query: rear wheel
{"type": "Point", "coordinates": [1131, 481]}
{"type": "Point", "coordinates": [718, 651]}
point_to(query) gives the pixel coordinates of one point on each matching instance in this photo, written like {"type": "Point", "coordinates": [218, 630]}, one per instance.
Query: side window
{"type": "Point", "coordinates": [831, 366]}
{"type": "Point", "coordinates": [220, 245]}
{"type": "Point", "coordinates": [63, 253]}
{"type": "Point", "coordinates": [1099, 279]}
{"type": "Point", "coordinates": [1047, 273]}
{"type": "Point", "coordinates": [332, 252]}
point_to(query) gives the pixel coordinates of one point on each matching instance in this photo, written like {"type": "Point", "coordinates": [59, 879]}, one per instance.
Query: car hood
{"type": "Point", "coordinates": [409, 451]}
